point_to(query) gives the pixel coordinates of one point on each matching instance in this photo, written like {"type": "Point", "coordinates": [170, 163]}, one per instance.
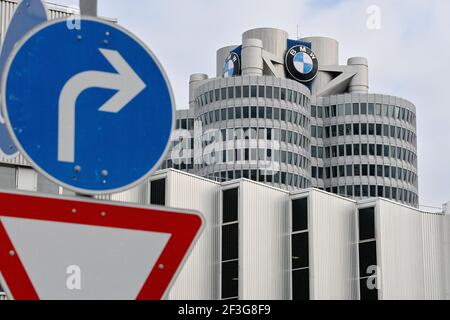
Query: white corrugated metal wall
{"type": "Point", "coordinates": [199, 278]}
{"type": "Point", "coordinates": [333, 260]}
{"type": "Point", "coordinates": [410, 248]}
{"type": "Point", "coordinates": [447, 252]}
{"type": "Point", "coordinates": [264, 255]}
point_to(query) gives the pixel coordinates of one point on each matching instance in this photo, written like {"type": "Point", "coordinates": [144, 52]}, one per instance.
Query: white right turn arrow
{"type": "Point", "coordinates": [127, 83]}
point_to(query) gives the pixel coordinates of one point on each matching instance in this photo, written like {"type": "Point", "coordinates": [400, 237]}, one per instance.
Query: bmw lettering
{"type": "Point", "coordinates": [301, 63]}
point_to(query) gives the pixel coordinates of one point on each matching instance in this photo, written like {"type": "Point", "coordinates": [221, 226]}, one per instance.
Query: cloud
{"type": "Point", "coordinates": [408, 57]}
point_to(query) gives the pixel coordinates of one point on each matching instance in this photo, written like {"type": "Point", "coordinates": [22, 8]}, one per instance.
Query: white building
{"type": "Point", "coordinates": [261, 243]}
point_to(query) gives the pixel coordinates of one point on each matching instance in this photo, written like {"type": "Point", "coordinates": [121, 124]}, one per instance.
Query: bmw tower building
{"type": "Point", "coordinates": [286, 113]}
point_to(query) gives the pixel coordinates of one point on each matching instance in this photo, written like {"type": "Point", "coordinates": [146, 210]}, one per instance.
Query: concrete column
{"type": "Point", "coordinates": [274, 42]}
{"type": "Point", "coordinates": [252, 59]}
{"type": "Point", "coordinates": [327, 53]}
{"type": "Point", "coordinates": [194, 81]}
{"type": "Point", "coordinates": [360, 82]}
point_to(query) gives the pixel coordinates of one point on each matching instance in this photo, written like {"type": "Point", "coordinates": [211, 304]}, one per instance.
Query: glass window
{"type": "Point", "coordinates": [230, 239]}
{"type": "Point", "coordinates": [261, 113]}
{"type": "Point", "coordinates": [363, 108]}
{"type": "Point", "coordinates": [378, 109]}
{"type": "Point", "coordinates": [261, 92]}
{"type": "Point", "coordinates": [300, 215]}
{"type": "Point", "coordinates": [238, 92]}
{"type": "Point", "coordinates": [246, 92]}
{"type": "Point", "coordinates": [276, 93]}
{"type": "Point", "coordinates": [300, 285]}
{"type": "Point", "coordinates": [313, 111]}
{"type": "Point", "coordinates": [253, 91]}
{"type": "Point", "coordinates": [269, 94]}
{"type": "Point", "coordinates": [245, 111]}
{"type": "Point", "coordinates": [367, 257]}
{"type": "Point", "coordinates": [356, 109]}
{"type": "Point", "coordinates": [348, 109]}
{"type": "Point", "coordinates": [300, 250]}
{"type": "Point", "coordinates": [158, 192]}
{"type": "Point", "coordinates": [224, 93]}
{"type": "Point", "coordinates": [230, 283]}
{"type": "Point", "coordinates": [230, 205]}
{"type": "Point", "coordinates": [230, 92]}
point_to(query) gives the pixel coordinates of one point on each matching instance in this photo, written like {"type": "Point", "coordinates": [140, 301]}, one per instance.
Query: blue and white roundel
{"type": "Point", "coordinates": [303, 63]}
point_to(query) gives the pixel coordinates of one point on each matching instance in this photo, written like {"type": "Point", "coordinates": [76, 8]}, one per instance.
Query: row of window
{"type": "Point", "coordinates": [366, 191]}
{"type": "Point", "coordinates": [266, 157]}
{"type": "Point", "coordinates": [364, 170]}
{"type": "Point", "coordinates": [264, 113]}
{"type": "Point", "coordinates": [379, 150]}
{"type": "Point", "coordinates": [185, 124]}
{"type": "Point", "coordinates": [356, 109]}
{"type": "Point", "coordinates": [252, 91]}
{"type": "Point", "coordinates": [371, 129]}
{"type": "Point", "coordinates": [282, 178]}
{"type": "Point", "coordinates": [267, 134]}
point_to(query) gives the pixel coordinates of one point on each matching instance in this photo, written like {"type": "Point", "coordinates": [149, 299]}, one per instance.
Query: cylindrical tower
{"type": "Point", "coordinates": [252, 57]}
{"type": "Point", "coordinates": [365, 145]}
{"type": "Point", "coordinates": [360, 82]}
{"type": "Point", "coordinates": [255, 127]}
{"type": "Point", "coordinates": [327, 53]}
{"type": "Point", "coordinates": [274, 41]}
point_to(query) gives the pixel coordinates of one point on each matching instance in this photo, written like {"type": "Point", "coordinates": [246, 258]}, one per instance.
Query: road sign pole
{"type": "Point", "coordinates": [88, 7]}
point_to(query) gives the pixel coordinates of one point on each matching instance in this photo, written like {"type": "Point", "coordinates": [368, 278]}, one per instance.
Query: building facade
{"type": "Point", "coordinates": [285, 113]}
{"type": "Point", "coordinates": [267, 243]}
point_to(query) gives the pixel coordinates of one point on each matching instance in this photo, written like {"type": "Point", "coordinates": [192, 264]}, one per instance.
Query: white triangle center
{"type": "Point", "coordinates": [113, 263]}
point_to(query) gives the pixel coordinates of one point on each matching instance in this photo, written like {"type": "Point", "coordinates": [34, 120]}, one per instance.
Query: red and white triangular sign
{"type": "Point", "coordinates": [60, 248]}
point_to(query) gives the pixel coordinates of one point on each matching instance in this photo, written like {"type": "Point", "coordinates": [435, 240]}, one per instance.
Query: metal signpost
{"type": "Point", "coordinates": [90, 108]}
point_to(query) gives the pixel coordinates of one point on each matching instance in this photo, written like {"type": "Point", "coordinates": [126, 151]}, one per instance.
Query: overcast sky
{"type": "Point", "coordinates": [408, 56]}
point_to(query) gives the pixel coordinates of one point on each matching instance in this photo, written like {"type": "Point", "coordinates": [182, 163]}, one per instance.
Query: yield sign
{"type": "Point", "coordinates": [60, 248]}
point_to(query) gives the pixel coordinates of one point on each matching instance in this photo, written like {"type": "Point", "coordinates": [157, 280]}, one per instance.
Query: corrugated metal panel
{"type": "Point", "coordinates": [433, 250]}
{"type": "Point", "coordinates": [333, 260]}
{"type": "Point", "coordinates": [139, 195]}
{"type": "Point", "coordinates": [264, 243]}
{"type": "Point", "coordinates": [409, 243]}
{"type": "Point", "coordinates": [447, 253]}
{"type": "Point", "coordinates": [199, 278]}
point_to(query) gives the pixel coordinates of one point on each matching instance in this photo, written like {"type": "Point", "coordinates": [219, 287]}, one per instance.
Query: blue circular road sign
{"type": "Point", "coordinates": [88, 104]}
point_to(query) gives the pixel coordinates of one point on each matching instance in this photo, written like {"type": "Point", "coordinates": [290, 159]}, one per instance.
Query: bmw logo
{"type": "Point", "coordinates": [232, 66]}
{"type": "Point", "coordinates": [301, 63]}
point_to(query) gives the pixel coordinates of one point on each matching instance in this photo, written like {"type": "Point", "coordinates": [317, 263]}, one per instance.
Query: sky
{"type": "Point", "coordinates": [408, 55]}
